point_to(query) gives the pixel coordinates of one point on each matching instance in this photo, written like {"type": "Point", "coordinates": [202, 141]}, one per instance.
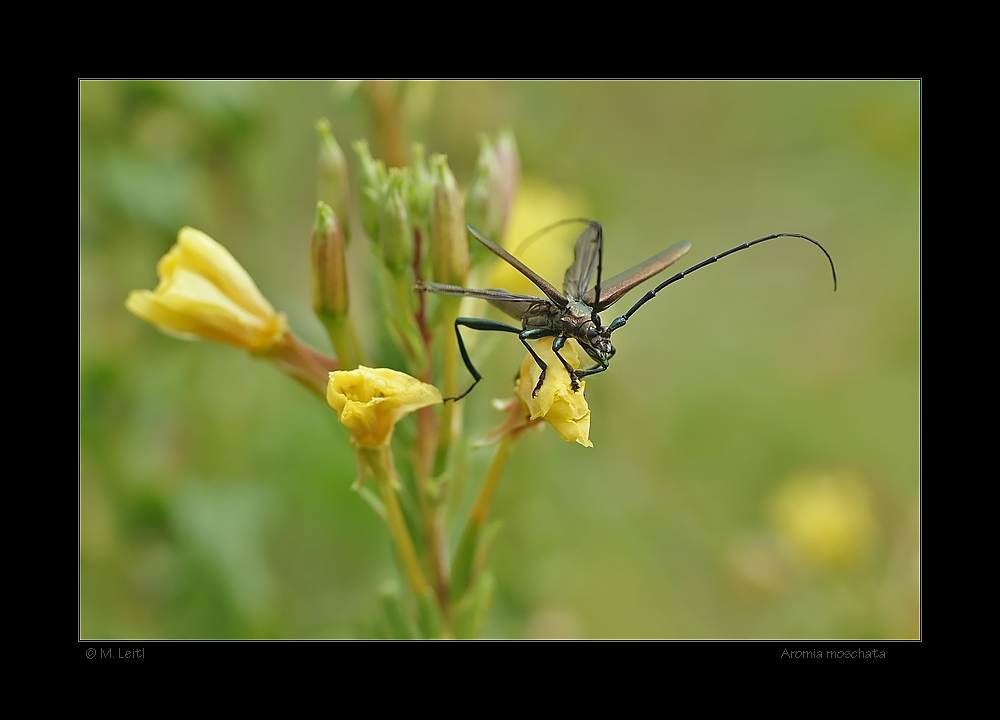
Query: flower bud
{"type": "Point", "coordinates": [332, 184]}
{"type": "Point", "coordinates": [329, 265]}
{"type": "Point", "coordinates": [510, 174]}
{"type": "Point", "coordinates": [419, 188]}
{"type": "Point", "coordinates": [372, 187]}
{"type": "Point", "coordinates": [395, 235]}
{"type": "Point", "coordinates": [484, 205]}
{"type": "Point", "coordinates": [449, 242]}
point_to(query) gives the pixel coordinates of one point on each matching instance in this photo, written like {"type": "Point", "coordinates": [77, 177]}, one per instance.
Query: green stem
{"type": "Point", "coordinates": [341, 332]}
{"type": "Point", "coordinates": [481, 509]}
{"type": "Point", "coordinates": [461, 576]}
{"type": "Point", "coordinates": [380, 461]}
{"type": "Point", "coordinates": [449, 384]}
{"type": "Point", "coordinates": [401, 290]}
{"type": "Point", "coordinates": [430, 516]}
{"type": "Point", "coordinates": [428, 432]}
{"type": "Point", "coordinates": [359, 352]}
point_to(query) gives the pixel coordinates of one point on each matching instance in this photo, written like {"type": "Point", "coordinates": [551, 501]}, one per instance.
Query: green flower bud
{"type": "Point", "coordinates": [329, 265]}
{"type": "Point", "coordinates": [395, 235]}
{"type": "Point", "coordinates": [332, 185]}
{"type": "Point", "coordinates": [449, 242]}
{"type": "Point", "coordinates": [484, 203]}
{"type": "Point", "coordinates": [510, 174]}
{"type": "Point", "coordinates": [374, 180]}
{"type": "Point", "coordinates": [420, 188]}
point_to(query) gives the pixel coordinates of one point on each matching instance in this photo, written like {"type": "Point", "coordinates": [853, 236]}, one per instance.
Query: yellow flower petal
{"type": "Point", "coordinates": [555, 402]}
{"type": "Point", "coordinates": [205, 293]}
{"type": "Point", "coordinates": [370, 401]}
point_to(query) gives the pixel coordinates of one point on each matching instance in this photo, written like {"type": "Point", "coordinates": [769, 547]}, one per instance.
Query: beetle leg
{"type": "Point", "coordinates": [557, 345]}
{"type": "Point", "coordinates": [536, 334]}
{"type": "Point", "coordinates": [477, 324]}
{"type": "Point", "coordinates": [601, 361]}
{"type": "Point", "coordinates": [592, 371]}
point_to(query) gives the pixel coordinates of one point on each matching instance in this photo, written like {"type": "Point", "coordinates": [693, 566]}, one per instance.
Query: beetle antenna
{"type": "Point", "coordinates": [618, 322]}
{"type": "Point", "coordinates": [600, 265]}
{"type": "Point", "coordinates": [548, 228]}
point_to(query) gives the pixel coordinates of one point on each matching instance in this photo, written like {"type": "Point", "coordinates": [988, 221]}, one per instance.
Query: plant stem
{"type": "Point", "coordinates": [481, 509]}
{"type": "Point", "coordinates": [343, 339]}
{"type": "Point", "coordinates": [303, 363]}
{"type": "Point", "coordinates": [428, 428]}
{"type": "Point", "coordinates": [427, 423]}
{"type": "Point", "coordinates": [449, 383]}
{"type": "Point", "coordinates": [410, 338]}
{"type": "Point", "coordinates": [462, 576]}
{"type": "Point", "coordinates": [380, 461]}
{"type": "Point", "coordinates": [359, 352]}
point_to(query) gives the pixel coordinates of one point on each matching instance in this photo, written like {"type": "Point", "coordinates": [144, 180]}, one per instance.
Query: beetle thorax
{"type": "Point", "coordinates": [576, 312]}
{"type": "Point", "coordinates": [580, 321]}
{"type": "Point", "coordinates": [577, 320]}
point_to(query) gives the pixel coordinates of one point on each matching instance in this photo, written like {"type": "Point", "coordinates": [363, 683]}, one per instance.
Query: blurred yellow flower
{"type": "Point", "coordinates": [555, 402]}
{"type": "Point", "coordinates": [537, 205]}
{"type": "Point", "coordinates": [370, 401]}
{"type": "Point", "coordinates": [205, 293]}
{"type": "Point", "coordinates": [826, 517]}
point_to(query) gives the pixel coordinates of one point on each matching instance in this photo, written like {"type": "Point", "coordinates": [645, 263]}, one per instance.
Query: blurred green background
{"type": "Point", "coordinates": [756, 462]}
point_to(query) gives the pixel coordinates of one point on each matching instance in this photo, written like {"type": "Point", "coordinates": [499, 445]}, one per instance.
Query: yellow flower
{"type": "Point", "coordinates": [555, 402]}
{"type": "Point", "coordinates": [826, 517]}
{"type": "Point", "coordinates": [370, 401]}
{"type": "Point", "coordinates": [205, 293]}
{"type": "Point", "coordinates": [537, 205]}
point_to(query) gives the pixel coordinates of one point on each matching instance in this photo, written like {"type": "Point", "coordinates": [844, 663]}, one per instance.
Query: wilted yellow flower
{"type": "Point", "coordinates": [370, 401]}
{"type": "Point", "coordinates": [826, 517]}
{"type": "Point", "coordinates": [555, 402]}
{"type": "Point", "coordinates": [205, 293]}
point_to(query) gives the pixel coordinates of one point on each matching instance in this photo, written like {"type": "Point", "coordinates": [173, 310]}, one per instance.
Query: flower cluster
{"type": "Point", "coordinates": [415, 218]}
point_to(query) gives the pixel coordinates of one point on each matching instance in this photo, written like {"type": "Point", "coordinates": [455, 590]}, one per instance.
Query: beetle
{"type": "Point", "coordinates": [573, 313]}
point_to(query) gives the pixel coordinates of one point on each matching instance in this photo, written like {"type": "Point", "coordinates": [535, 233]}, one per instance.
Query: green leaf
{"type": "Point", "coordinates": [486, 540]}
{"type": "Point", "coordinates": [472, 611]}
{"type": "Point", "coordinates": [431, 621]}
{"type": "Point", "coordinates": [465, 555]}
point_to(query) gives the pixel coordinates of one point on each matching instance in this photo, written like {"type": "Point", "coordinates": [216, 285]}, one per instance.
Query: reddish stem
{"type": "Point", "coordinates": [303, 363]}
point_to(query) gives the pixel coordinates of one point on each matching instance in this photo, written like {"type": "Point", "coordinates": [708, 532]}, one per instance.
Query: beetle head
{"type": "Point", "coordinates": [599, 338]}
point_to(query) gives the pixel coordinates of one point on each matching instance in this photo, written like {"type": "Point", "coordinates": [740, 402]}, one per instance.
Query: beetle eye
{"type": "Point", "coordinates": [591, 332]}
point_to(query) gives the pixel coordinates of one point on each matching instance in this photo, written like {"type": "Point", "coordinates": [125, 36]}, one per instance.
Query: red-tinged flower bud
{"type": "Point", "coordinates": [329, 264]}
